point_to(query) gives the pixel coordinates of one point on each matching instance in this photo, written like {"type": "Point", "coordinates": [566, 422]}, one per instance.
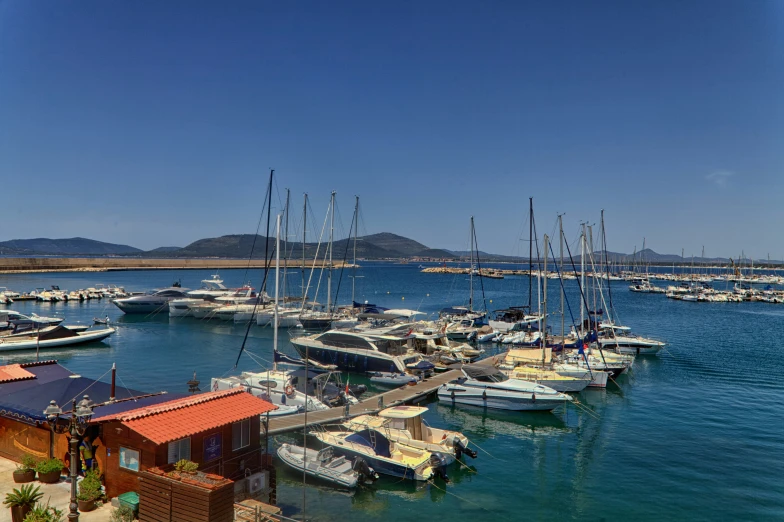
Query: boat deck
{"type": "Point", "coordinates": [374, 404]}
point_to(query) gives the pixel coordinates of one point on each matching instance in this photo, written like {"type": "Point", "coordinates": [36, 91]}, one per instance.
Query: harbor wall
{"type": "Point", "coordinates": [103, 264]}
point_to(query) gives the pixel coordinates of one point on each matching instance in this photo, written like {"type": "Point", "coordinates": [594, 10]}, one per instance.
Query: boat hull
{"type": "Point", "coordinates": [456, 394]}
{"type": "Point", "coordinates": [80, 338]}
{"type": "Point", "coordinates": [352, 360]}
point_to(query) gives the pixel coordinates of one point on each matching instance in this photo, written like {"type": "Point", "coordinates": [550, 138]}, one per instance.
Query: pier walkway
{"type": "Point", "coordinates": [373, 404]}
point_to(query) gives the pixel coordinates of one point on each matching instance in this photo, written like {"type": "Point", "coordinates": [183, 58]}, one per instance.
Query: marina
{"type": "Point", "coordinates": [537, 435]}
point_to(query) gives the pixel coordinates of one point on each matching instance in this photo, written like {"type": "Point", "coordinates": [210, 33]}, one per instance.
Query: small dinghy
{"type": "Point", "coordinates": [326, 466]}
{"type": "Point", "coordinates": [105, 320]}
{"type": "Point", "coordinates": [487, 337]}
{"type": "Point", "coordinates": [392, 379]}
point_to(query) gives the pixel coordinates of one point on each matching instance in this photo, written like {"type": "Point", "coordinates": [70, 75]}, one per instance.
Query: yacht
{"type": "Point", "coordinates": [357, 352]}
{"type": "Point", "coordinates": [150, 303]}
{"type": "Point", "coordinates": [488, 387]}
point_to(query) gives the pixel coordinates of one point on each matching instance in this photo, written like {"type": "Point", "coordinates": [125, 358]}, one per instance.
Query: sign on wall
{"type": "Point", "coordinates": [212, 447]}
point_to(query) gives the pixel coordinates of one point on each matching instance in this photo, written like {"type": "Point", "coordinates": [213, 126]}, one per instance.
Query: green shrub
{"type": "Point", "coordinates": [41, 513]}
{"type": "Point", "coordinates": [122, 514]}
{"type": "Point", "coordinates": [49, 465]}
{"type": "Point", "coordinates": [25, 496]}
{"type": "Point", "coordinates": [28, 463]}
{"type": "Point", "coordinates": [186, 466]}
{"type": "Point", "coordinates": [90, 487]}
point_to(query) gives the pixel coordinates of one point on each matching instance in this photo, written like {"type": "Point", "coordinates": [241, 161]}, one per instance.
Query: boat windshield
{"type": "Point", "coordinates": [495, 377]}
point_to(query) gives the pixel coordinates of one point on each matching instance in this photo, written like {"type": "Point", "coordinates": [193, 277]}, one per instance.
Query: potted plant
{"type": "Point", "coordinates": [21, 501]}
{"type": "Point", "coordinates": [122, 514]}
{"type": "Point", "coordinates": [49, 470]}
{"type": "Point", "coordinates": [25, 471]}
{"type": "Point", "coordinates": [89, 491]}
{"type": "Point", "coordinates": [41, 513]}
{"type": "Point", "coordinates": [186, 466]}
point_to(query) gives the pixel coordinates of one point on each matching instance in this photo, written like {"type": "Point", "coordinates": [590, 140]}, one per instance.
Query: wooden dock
{"type": "Point", "coordinates": [374, 404]}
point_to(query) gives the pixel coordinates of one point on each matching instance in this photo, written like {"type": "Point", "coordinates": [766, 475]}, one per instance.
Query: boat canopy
{"type": "Point", "coordinates": [454, 310]}
{"type": "Point", "coordinates": [402, 412]}
{"type": "Point", "coordinates": [477, 372]}
{"type": "Point", "coordinates": [403, 312]}
{"type": "Point", "coordinates": [380, 444]}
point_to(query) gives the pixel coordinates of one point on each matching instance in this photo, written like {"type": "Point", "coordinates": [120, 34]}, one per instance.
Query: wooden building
{"type": "Point", "coordinates": [218, 430]}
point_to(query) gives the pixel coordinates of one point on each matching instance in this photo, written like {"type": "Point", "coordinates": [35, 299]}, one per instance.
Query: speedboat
{"type": "Point", "coordinates": [514, 318]}
{"type": "Point", "coordinates": [383, 455]}
{"type": "Point", "coordinates": [392, 378]}
{"type": "Point", "coordinates": [182, 307]}
{"type": "Point", "coordinates": [151, 303]}
{"type": "Point", "coordinates": [55, 337]}
{"type": "Point", "coordinates": [405, 425]}
{"type": "Point", "coordinates": [326, 466]}
{"type": "Point", "coordinates": [488, 387]}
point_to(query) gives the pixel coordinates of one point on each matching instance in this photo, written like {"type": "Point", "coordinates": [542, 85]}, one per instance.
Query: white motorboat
{"type": "Point", "coordinates": [405, 425]}
{"type": "Point", "coordinates": [488, 387]}
{"type": "Point", "coordinates": [392, 378]}
{"type": "Point", "coordinates": [620, 339]}
{"type": "Point", "coordinates": [57, 337]}
{"type": "Point", "coordinates": [383, 455]}
{"type": "Point", "coordinates": [182, 307]}
{"type": "Point", "coordinates": [325, 465]}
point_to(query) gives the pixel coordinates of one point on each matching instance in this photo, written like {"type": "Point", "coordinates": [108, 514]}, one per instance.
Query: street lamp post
{"type": "Point", "coordinates": [77, 425]}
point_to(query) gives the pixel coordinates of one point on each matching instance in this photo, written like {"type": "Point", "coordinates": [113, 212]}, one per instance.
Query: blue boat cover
{"type": "Point", "coordinates": [422, 365]}
{"type": "Point", "coordinates": [364, 437]}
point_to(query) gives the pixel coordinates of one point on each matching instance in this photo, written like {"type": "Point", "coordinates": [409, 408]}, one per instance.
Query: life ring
{"type": "Point", "coordinates": [289, 390]}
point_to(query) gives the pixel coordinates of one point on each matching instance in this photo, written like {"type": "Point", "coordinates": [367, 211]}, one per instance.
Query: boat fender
{"type": "Point", "coordinates": [460, 448]}
{"type": "Point", "coordinates": [289, 390]}
{"type": "Point", "coordinates": [453, 394]}
{"type": "Point", "coordinates": [484, 395]}
{"type": "Point", "coordinates": [438, 463]}
{"type": "Point", "coordinates": [533, 397]}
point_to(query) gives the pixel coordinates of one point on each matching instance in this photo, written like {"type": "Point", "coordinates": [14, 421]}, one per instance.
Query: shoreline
{"type": "Point", "coordinates": [35, 265]}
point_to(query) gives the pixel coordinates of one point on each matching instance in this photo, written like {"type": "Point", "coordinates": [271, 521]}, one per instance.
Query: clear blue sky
{"type": "Point", "coordinates": [155, 123]}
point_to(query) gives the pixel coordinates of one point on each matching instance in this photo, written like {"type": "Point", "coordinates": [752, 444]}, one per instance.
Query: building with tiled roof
{"type": "Point", "coordinates": [218, 430]}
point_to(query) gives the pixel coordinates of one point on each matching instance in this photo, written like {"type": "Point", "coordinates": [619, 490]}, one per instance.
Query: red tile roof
{"type": "Point", "coordinates": [182, 418]}
{"type": "Point", "coordinates": [14, 372]}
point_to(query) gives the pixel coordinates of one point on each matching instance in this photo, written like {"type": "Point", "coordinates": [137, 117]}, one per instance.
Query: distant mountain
{"type": "Point", "coordinates": [163, 250]}
{"type": "Point", "coordinates": [375, 246]}
{"type": "Point", "coordinates": [69, 247]}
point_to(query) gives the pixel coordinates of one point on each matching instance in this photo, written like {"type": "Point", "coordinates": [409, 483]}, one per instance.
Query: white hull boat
{"type": "Point", "coordinates": [322, 465]}
{"type": "Point", "coordinates": [54, 339]}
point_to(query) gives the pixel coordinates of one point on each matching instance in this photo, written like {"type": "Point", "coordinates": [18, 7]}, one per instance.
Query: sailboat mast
{"type": "Point", "coordinates": [530, 250]}
{"type": "Point", "coordinates": [277, 283]}
{"type": "Point", "coordinates": [331, 237]}
{"type": "Point", "coordinates": [356, 226]}
{"type": "Point", "coordinates": [304, 232]}
{"type": "Point", "coordinates": [582, 275]}
{"type": "Point", "coordinates": [286, 242]}
{"type": "Point", "coordinates": [563, 318]}
{"type": "Point", "coordinates": [471, 269]}
{"type": "Point", "coordinates": [543, 331]}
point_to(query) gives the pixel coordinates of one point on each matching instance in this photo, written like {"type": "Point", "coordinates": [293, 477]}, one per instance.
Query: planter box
{"type": "Point", "coordinates": [24, 477]}
{"type": "Point", "coordinates": [18, 513]}
{"type": "Point", "coordinates": [196, 498]}
{"type": "Point", "coordinates": [86, 505]}
{"type": "Point", "coordinates": [53, 477]}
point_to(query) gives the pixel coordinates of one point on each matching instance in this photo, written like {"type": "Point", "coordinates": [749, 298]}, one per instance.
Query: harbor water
{"type": "Point", "coordinates": [693, 433]}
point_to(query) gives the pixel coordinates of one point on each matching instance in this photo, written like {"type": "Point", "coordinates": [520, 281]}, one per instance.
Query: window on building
{"type": "Point", "coordinates": [129, 459]}
{"type": "Point", "coordinates": [179, 449]}
{"type": "Point", "coordinates": [240, 435]}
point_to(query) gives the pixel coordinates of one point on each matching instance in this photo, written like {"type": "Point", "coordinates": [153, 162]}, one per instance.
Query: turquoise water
{"type": "Point", "coordinates": [695, 433]}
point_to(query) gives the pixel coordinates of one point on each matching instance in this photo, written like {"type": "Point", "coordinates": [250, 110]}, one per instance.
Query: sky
{"type": "Point", "coordinates": [156, 123]}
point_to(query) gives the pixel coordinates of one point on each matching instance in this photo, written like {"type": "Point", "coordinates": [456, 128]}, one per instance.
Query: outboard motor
{"type": "Point", "coordinates": [460, 448]}
{"type": "Point", "coordinates": [438, 463]}
{"type": "Point", "coordinates": [357, 389]}
{"type": "Point", "coordinates": [365, 472]}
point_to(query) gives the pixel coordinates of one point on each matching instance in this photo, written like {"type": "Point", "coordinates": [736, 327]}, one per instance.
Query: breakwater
{"type": "Point", "coordinates": [106, 264]}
